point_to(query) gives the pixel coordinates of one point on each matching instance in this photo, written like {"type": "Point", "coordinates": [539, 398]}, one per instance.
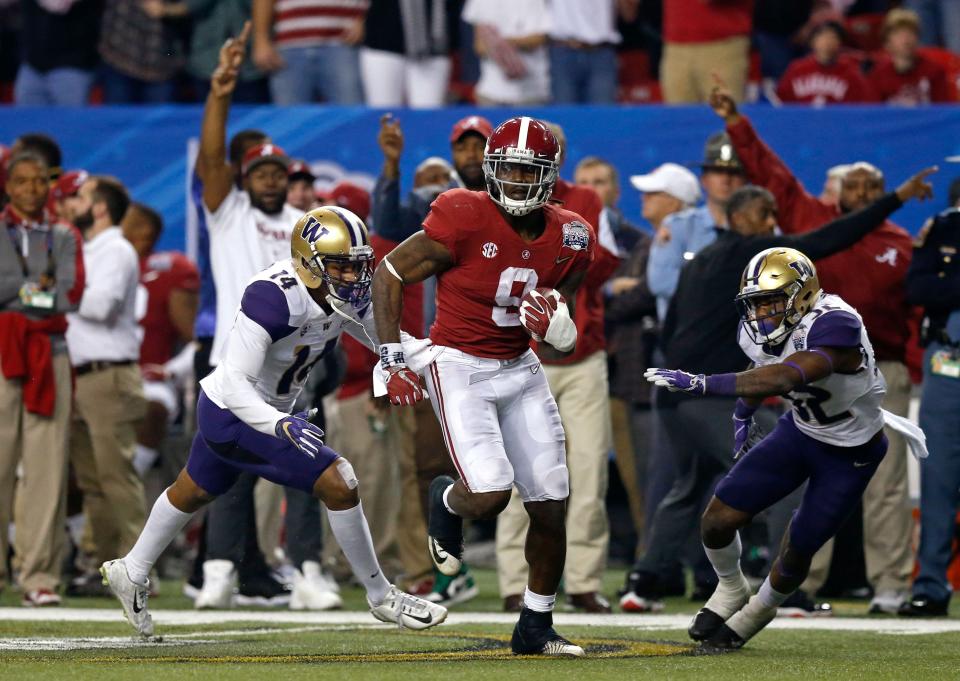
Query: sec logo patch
{"type": "Point", "coordinates": [489, 250]}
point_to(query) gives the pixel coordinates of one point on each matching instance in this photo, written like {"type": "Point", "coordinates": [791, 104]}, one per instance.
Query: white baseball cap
{"type": "Point", "coordinates": [672, 179]}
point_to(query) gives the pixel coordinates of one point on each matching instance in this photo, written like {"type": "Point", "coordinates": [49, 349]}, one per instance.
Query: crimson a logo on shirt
{"type": "Point", "coordinates": [489, 250]}
{"type": "Point", "coordinates": [576, 236]}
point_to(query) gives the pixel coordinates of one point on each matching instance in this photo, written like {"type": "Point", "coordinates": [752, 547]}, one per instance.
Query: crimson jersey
{"type": "Point", "coordinates": [926, 82]}
{"type": "Point", "coordinates": [810, 82]}
{"type": "Point", "coordinates": [160, 275]}
{"type": "Point", "coordinates": [493, 267]}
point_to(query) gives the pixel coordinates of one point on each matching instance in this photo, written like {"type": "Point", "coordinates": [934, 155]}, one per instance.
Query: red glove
{"type": "Point", "coordinates": [403, 386]}
{"type": "Point", "coordinates": [536, 310]}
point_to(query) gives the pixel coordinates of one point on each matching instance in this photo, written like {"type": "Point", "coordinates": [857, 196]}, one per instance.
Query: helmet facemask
{"type": "Point", "coordinates": [355, 292]}
{"type": "Point", "coordinates": [770, 316]}
{"type": "Point", "coordinates": [537, 192]}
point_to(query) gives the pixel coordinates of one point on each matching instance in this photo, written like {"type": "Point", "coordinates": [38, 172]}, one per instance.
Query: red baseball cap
{"type": "Point", "coordinates": [263, 153]}
{"type": "Point", "coordinates": [477, 124]}
{"type": "Point", "coordinates": [69, 184]}
{"type": "Point", "coordinates": [300, 168]}
{"type": "Point", "coordinates": [354, 198]}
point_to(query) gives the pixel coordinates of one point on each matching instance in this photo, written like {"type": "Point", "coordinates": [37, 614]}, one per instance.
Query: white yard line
{"type": "Point", "coordinates": [339, 619]}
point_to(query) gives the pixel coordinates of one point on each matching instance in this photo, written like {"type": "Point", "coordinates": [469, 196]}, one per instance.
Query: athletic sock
{"type": "Point", "coordinates": [758, 612]}
{"type": "Point", "coordinates": [353, 535]}
{"type": "Point", "coordinates": [164, 523]}
{"type": "Point", "coordinates": [538, 603]}
{"type": "Point", "coordinates": [770, 597]}
{"type": "Point", "coordinates": [726, 562]}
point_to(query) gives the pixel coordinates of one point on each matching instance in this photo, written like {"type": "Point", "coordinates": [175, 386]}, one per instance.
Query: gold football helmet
{"type": "Point", "coordinates": [333, 236]}
{"type": "Point", "coordinates": [778, 287]}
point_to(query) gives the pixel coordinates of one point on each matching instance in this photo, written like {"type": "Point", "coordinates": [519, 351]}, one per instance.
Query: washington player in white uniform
{"type": "Point", "coordinates": [812, 349]}
{"type": "Point", "coordinates": [290, 315]}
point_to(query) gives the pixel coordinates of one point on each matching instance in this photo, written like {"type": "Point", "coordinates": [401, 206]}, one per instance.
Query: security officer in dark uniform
{"type": "Point", "coordinates": [934, 282]}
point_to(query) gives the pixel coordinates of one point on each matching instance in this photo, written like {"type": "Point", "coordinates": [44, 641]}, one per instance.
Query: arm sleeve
{"type": "Point", "coordinates": [838, 329]}
{"type": "Point", "coordinates": [837, 235]}
{"type": "Point", "coordinates": [103, 297]}
{"type": "Point", "coordinates": [240, 365]}
{"type": "Point", "coordinates": [264, 304]}
{"type": "Point", "coordinates": [387, 214]}
{"type": "Point", "coordinates": [768, 170]}
{"type": "Point", "coordinates": [364, 332]}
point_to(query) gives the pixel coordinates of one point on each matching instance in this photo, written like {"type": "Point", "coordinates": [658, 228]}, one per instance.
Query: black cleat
{"type": "Point", "coordinates": [705, 624]}
{"type": "Point", "coordinates": [535, 635]}
{"type": "Point", "coordinates": [445, 530]}
{"type": "Point", "coordinates": [725, 638]}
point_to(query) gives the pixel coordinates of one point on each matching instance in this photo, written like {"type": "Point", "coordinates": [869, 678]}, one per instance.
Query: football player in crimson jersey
{"type": "Point", "coordinates": [172, 285]}
{"type": "Point", "coordinates": [500, 422]}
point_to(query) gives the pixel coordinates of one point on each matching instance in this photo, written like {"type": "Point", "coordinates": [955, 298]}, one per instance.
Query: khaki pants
{"type": "Point", "coordinates": [108, 405]}
{"type": "Point", "coordinates": [39, 445]}
{"type": "Point", "coordinates": [375, 460]}
{"type": "Point", "coordinates": [625, 453]}
{"type": "Point", "coordinates": [412, 529]}
{"type": "Point", "coordinates": [581, 391]}
{"type": "Point", "coordinates": [887, 522]}
{"type": "Point", "coordinates": [686, 70]}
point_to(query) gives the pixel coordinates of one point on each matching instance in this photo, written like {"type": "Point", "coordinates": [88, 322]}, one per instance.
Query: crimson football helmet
{"type": "Point", "coordinates": [529, 143]}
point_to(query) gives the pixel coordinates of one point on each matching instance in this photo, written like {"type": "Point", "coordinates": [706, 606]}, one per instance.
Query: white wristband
{"type": "Point", "coordinates": [562, 332]}
{"type": "Point", "coordinates": [391, 355]}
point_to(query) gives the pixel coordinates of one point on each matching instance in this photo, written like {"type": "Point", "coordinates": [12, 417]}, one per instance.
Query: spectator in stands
{"type": "Point", "coordinates": [580, 385]}
{"type": "Point", "coordinates": [405, 58]}
{"type": "Point", "coordinates": [249, 228]}
{"type": "Point", "coordinates": [832, 184]}
{"type": "Point", "coordinates": [680, 235]}
{"type": "Point", "coordinates": [41, 278]}
{"type": "Point", "coordinates": [211, 21]}
{"type": "Point", "coordinates": [104, 343]}
{"type": "Point", "coordinates": [59, 52]}
{"type": "Point", "coordinates": [880, 260]}
{"type": "Point", "coordinates": [142, 48]}
{"type": "Point", "coordinates": [510, 39]}
{"type": "Point", "coordinates": [826, 76]}
{"type": "Point", "coordinates": [583, 40]}
{"type": "Point", "coordinates": [300, 192]}
{"type": "Point", "coordinates": [630, 335]}
{"type": "Point", "coordinates": [904, 76]}
{"type": "Point", "coordinates": [939, 22]}
{"type": "Point", "coordinates": [310, 49]}
{"type": "Point", "coordinates": [171, 282]}
{"type": "Point", "coordinates": [701, 40]}
{"type": "Point", "coordinates": [775, 26]}
{"type": "Point", "coordinates": [934, 282]}
{"type": "Point", "coordinates": [395, 220]}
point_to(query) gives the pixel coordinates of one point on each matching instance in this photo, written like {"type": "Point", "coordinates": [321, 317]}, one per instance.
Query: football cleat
{"type": "Point", "coordinates": [633, 602]}
{"type": "Point", "coordinates": [445, 530]}
{"type": "Point", "coordinates": [534, 635]}
{"type": "Point", "coordinates": [724, 638]}
{"type": "Point", "coordinates": [408, 611]}
{"type": "Point", "coordinates": [719, 607]}
{"type": "Point", "coordinates": [132, 596]}
{"type": "Point", "coordinates": [705, 624]}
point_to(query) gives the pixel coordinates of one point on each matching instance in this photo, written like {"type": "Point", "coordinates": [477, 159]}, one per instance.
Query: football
{"type": "Point", "coordinates": [537, 308]}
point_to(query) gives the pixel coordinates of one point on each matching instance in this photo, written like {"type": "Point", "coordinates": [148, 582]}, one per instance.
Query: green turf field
{"type": "Point", "coordinates": [277, 644]}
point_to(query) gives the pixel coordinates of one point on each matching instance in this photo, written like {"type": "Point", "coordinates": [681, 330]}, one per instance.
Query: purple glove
{"type": "Point", "coordinates": [742, 426]}
{"type": "Point", "coordinates": [675, 380]}
{"type": "Point", "coordinates": [302, 434]}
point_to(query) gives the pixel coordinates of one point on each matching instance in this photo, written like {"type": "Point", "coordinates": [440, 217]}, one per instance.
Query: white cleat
{"type": "Point", "coordinates": [446, 562]}
{"type": "Point", "coordinates": [408, 611]}
{"type": "Point", "coordinates": [562, 647]}
{"type": "Point", "coordinates": [219, 586]}
{"type": "Point", "coordinates": [132, 596]}
{"type": "Point", "coordinates": [311, 589]}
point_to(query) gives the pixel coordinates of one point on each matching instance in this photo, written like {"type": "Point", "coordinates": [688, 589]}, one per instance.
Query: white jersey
{"type": "Point", "coordinates": [841, 409]}
{"type": "Point", "coordinates": [243, 241]}
{"type": "Point", "coordinates": [278, 334]}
